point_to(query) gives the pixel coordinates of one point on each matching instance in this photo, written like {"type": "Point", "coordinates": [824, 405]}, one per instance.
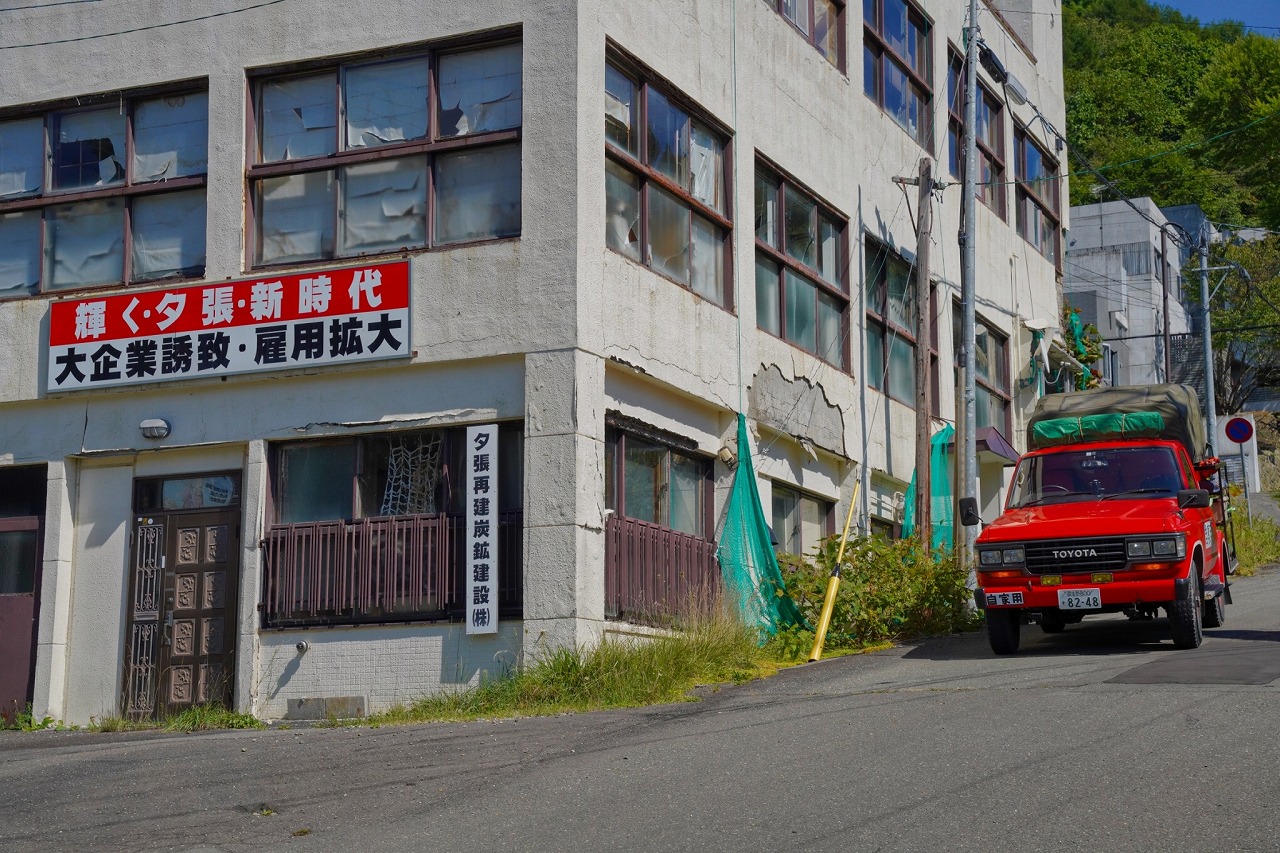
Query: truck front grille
{"type": "Point", "coordinates": [1068, 556]}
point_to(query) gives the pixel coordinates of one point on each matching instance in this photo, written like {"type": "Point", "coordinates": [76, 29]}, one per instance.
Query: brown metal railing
{"type": "Point", "coordinates": [655, 575]}
{"type": "Point", "coordinates": [389, 569]}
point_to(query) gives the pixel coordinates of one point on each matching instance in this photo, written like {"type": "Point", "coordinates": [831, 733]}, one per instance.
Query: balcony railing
{"type": "Point", "coordinates": [654, 575]}
{"type": "Point", "coordinates": [389, 569]}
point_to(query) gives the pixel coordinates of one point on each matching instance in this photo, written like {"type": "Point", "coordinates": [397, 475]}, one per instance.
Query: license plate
{"type": "Point", "coordinates": [1080, 599]}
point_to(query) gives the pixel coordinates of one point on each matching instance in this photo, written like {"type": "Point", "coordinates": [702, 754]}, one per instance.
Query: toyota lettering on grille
{"type": "Point", "coordinates": [1075, 552]}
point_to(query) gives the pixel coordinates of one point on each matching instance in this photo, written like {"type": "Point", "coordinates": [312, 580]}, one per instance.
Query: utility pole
{"type": "Point", "coordinates": [967, 455]}
{"type": "Point", "coordinates": [924, 335]}
{"type": "Point", "coordinates": [1164, 282]}
{"type": "Point", "coordinates": [1206, 341]}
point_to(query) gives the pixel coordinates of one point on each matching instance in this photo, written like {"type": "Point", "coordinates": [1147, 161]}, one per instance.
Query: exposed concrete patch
{"type": "Point", "coordinates": [796, 407]}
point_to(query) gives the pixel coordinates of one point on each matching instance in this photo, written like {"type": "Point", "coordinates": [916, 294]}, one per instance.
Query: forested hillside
{"type": "Point", "coordinates": [1173, 110]}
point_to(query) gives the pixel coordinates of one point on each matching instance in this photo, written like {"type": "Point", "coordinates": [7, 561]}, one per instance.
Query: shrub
{"type": "Point", "coordinates": [888, 591]}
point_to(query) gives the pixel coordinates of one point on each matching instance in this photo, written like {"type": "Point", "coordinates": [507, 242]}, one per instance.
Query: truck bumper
{"type": "Point", "coordinates": [1030, 595]}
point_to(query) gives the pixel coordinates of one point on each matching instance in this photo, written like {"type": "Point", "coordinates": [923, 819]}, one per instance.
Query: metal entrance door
{"type": "Point", "coordinates": [20, 546]}
{"type": "Point", "coordinates": [185, 576]}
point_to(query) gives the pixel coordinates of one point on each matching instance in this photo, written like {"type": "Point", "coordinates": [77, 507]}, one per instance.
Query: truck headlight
{"type": "Point", "coordinates": [1014, 556]}
{"type": "Point", "coordinates": [989, 558]}
{"type": "Point", "coordinates": [1139, 548]}
{"type": "Point", "coordinates": [1172, 547]}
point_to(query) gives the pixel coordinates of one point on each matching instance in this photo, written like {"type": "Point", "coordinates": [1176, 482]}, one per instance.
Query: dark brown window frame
{"type": "Point", "coordinates": [128, 191]}
{"type": "Point", "coordinates": [256, 171]}
{"type": "Point", "coordinates": [785, 261]}
{"type": "Point", "coordinates": [995, 190]}
{"type": "Point", "coordinates": [874, 41]}
{"type": "Point", "coordinates": [1025, 193]}
{"type": "Point", "coordinates": [649, 176]}
{"type": "Point", "coordinates": [1004, 394]}
{"type": "Point", "coordinates": [616, 437]}
{"type": "Point", "coordinates": [828, 515]}
{"type": "Point", "coordinates": [841, 60]}
{"type": "Point", "coordinates": [877, 315]}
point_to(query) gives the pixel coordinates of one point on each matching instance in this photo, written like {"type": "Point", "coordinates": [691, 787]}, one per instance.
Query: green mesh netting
{"type": "Point", "coordinates": [940, 492]}
{"type": "Point", "coordinates": [747, 561]}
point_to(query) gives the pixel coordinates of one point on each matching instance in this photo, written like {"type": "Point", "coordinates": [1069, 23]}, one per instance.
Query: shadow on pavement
{"type": "Point", "coordinates": [1104, 636]}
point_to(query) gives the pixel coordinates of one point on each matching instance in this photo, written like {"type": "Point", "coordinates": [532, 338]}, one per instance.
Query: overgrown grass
{"type": "Point", "coordinates": [614, 674]}
{"type": "Point", "coordinates": [198, 718]}
{"type": "Point", "coordinates": [888, 591]}
{"type": "Point", "coordinates": [1257, 542]}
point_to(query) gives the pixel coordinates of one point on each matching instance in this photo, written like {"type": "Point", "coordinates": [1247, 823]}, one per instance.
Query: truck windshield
{"type": "Point", "coordinates": [1134, 473]}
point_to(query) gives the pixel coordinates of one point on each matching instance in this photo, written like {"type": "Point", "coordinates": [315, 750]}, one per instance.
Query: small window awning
{"type": "Point", "coordinates": [993, 447]}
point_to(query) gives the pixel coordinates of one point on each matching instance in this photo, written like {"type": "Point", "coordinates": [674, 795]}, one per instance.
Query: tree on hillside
{"type": "Point", "coordinates": [1245, 317]}
{"type": "Point", "coordinates": [1146, 87]}
{"type": "Point", "coordinates": [1241, 89]}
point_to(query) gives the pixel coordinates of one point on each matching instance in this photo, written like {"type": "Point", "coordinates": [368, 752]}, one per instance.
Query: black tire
{"type": "Point", "coordinates": [1215, 612]}
{"type": "Point", "coordinates": [1053, 622]}
{"type": "Point", "coordinates": [1002, 630]}
{"type": "Point", "coordinates": [1185, 616]}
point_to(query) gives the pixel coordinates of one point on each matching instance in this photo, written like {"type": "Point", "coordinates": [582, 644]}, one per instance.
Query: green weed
{"type": "Point", "coordinates": [200, 718]}
{"type": "Point", "coordinates": [1257, 543]}
{"type": "Point", "coordinates": [25, 721]}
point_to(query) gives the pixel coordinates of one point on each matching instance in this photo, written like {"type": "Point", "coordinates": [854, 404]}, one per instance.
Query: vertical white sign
{"type": "Point", "coordinates": [482, 529]}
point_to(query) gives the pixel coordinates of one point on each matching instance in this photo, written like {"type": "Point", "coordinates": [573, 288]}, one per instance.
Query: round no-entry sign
{"type": "Point", "coordinates": [1239, 430]}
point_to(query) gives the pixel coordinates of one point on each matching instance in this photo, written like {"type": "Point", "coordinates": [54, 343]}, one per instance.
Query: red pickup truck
{"type": "Point", "coordinates": [1111, 510]}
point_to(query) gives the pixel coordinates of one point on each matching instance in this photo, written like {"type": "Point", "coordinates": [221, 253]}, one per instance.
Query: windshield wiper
{"type": "Point", "coordinates": [1051, 496]}
{"type": "Point", "coordinates": [1164, 492]}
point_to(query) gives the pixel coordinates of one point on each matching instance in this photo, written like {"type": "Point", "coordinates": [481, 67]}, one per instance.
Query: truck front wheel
{"type": "Point", "coordinates": [1002, 630]}
{"type": "Point", "coordinates": [1184, 616]}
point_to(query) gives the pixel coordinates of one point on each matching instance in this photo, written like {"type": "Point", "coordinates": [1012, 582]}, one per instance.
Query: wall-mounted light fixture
{"type": "Point", "coordinates": [154, 428]}
{"type": "Point", "coordinates": [728, 456]}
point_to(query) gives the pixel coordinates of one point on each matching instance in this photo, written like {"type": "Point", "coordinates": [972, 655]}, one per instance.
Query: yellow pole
{"type": "Point", "coordinates": [829, 604]}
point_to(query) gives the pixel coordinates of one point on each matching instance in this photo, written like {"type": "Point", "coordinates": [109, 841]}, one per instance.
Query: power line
{"type": "Point", "coordinates": [1185, 147]}
{"type": "Point", "coordinates": [140, 29]}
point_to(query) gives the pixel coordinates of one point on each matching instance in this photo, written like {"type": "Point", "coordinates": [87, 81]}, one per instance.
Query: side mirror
{"type": "Point", "coordinates": [1193, 499]}
{"type": "Point", "coordinates": [969, 516]}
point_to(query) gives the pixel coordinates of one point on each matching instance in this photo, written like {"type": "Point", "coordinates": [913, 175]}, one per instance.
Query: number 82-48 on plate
{"type": "Point", "coordinates": [1080, 599]}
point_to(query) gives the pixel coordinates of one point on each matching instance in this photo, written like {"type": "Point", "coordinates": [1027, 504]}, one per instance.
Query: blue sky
{"type": "Point", "coordinates": [1264, 15]}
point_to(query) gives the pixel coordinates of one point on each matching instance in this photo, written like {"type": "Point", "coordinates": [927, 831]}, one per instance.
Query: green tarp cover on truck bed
{"type": "Point", "coordinates": [1054, 431]}
{"type": "Point", "coordinates": [1147, 411]}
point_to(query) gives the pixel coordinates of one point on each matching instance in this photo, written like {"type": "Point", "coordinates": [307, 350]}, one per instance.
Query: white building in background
{"type": "Point", "coordinates": [1123, 272]}
{"type": "Point", "coordinates": [288, 292]}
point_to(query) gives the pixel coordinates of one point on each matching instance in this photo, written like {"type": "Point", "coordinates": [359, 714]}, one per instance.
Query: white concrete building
{"type": "Point", "coordinates": [269, 271]}
{"type": "Point", "coordinates": [1123, 273]}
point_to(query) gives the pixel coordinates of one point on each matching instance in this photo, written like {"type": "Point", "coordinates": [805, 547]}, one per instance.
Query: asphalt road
{"type": "Point", "coordinates": [1101, 738]}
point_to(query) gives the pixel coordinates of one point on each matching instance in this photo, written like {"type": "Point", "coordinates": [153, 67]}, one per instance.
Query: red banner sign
{"type": "Point", "coordinates": [268, 323]}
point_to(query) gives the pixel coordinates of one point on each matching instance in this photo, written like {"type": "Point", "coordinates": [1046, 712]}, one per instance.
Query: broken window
{"type": "Point", "coordinates": [666, 189]}
{"type": "Point", "coordinates": [480, 90]}
{"type": "Point", "coordinates": [128, 179]}
{"type": "Point", "coordinates": [363, 156]}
